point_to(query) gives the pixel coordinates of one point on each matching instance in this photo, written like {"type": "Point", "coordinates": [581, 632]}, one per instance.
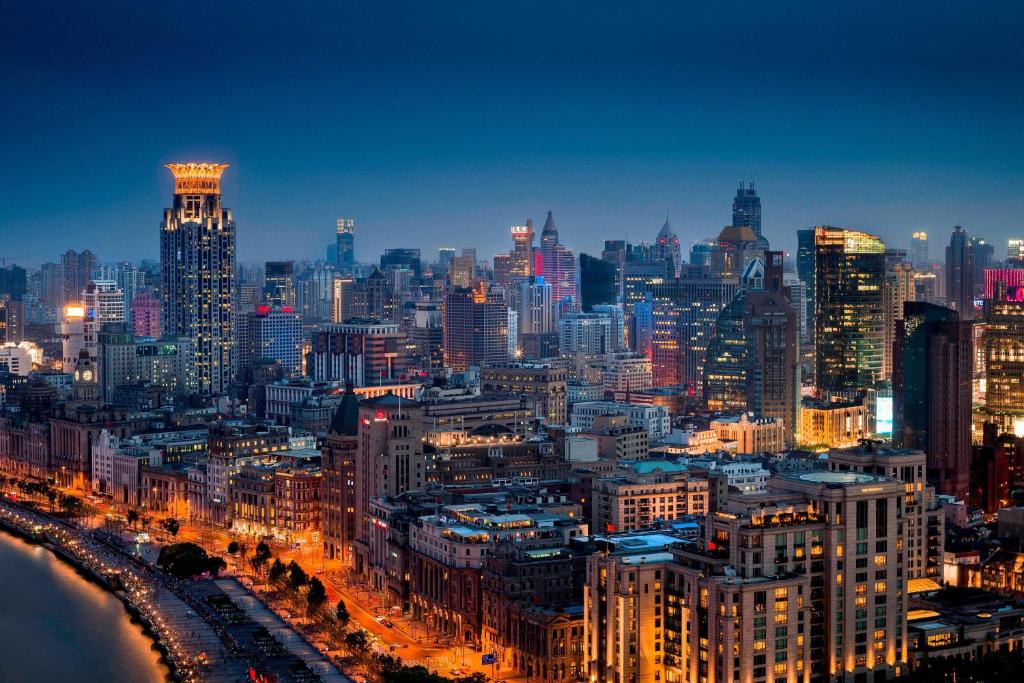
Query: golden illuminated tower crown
{"type": "Point", "coordinates": [197, 177]}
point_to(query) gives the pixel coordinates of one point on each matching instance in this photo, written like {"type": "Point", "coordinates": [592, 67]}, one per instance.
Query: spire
{"type": "Point", "coordinates": [666, 230]}
{"type": "Point", "coordinates": [345, 420]}
{"type": "Point", "coordinates": [549, 226]}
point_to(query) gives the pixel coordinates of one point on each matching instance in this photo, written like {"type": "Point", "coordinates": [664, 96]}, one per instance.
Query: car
{"type": "Point", "coordinates": [388, 623]}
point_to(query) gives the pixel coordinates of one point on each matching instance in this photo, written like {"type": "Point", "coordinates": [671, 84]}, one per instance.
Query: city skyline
{"type": "Point", "coordinates": [431, 126]}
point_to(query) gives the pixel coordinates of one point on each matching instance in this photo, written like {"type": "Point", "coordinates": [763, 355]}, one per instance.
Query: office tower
{"type": "Point", "coordinates": [639, 279]}
{"type": "Point", "coordinates": [752, 363]}
{"type": "Point", "coordinates": [666, 342]}
{"type": "Point", "coordinates": [501, 273]}
{"type": "Point", "coordinates": [77, 269]}
{"type": "Point", "coordinates": [849, 311]}
{"type": "Point", "coordinates": [72, 335]}
{"type": "Point", "coordinates": [932, 374]}
{"type": "Point", "coordinates": [126, 361]}
{"type": "Point", "coordinates": [395, 259]}
{"type": "Point", "coordinates": [364, 352]}
{"type": "Point", "coordinates": [314, 293]}
{"type": "Point", "coordinates": [444, 258]}
{"type": "Point", "coordinates": [270, 334]}
{"type": "Point", "coordinates": [982, 255]}
{"type": "Point", "coordinates": [666, 245]}
{"type": "Point", "coordinates": [702, 252]}
{"type": "Point", "coordinates": [1004, 361]}
{"type": "Point", "coordinates": [1015, 249]}
{"type": "Point", "coordinates": [533, 305]}
{"type": "Point", "coordinates": [103, 303]}
{"type": "Point", "coordinates": [587, 334]}
{"type": "Point", "coordinates": [617, 314]}
{"type": "Point", "coordinates": [737, 247]}
{"type": "Point", "coordinates": [427, 337]}
{"type": "Point", "coordinates": [342, 289]}
{"type": "Point", "coordinates": [960, 274]}
{"type": "Point", "coordinates": [475, 328]}
{"type": "Point", "coordinates": [522, 249]}
{"type": "Point", "coordinates": [805, 270]}
{"type": "Point", "coordinates": [346, 245]}
{"type": "Point", "coordinates": [558, 264]}
{"type": "Point", "coordinates": [279, 284]}
{"type": "Point", "coordinates": [919, 249]}
{"type": "Point", "coordinates": [13, 287]}
{"type": "Point", "coordinates": [597, 282]}
{"type": "Point", "coordinates": [797, 297]}
{"type": "Point", "coordinates": [197, 265]}
{"type": "Point", "coordinates": [746, 211]}
{"type": "Point", "coordinates": [899, 288]}
{"type": "Point", "coordinates": [541, 386]}
{"type": "Point", "coordinates": [338, 493]}
{"type": "Point", "coordinates": [462, 271]}
{"type": "Point", "coordinates": [700, 297]}
{"type": "Point", "coordinates": [374, 297]}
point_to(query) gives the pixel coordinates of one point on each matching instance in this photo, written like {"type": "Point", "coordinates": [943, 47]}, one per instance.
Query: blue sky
{"type": "Point", "coordinates": [442, 123]}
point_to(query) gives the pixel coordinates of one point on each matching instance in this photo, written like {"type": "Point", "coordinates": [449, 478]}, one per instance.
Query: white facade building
{"type": "Point", "coordinates": [654, 419]}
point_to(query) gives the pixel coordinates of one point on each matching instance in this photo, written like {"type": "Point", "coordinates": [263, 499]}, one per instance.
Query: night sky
{"type": "Point", "coordinates": [442, 123]}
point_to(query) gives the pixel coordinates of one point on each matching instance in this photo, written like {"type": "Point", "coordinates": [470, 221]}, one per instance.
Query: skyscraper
{"type": "Point", "coordinates": [932, 370]}
{"type": "Point", "coordinates": [522, 250]}
{"type": "Point", "coordinates": [746, 210]}
{"type": "Point", "coordinates": [899, 288]}
{"type": "Point", "coordinates": [849, 313]}
{"type": "Point", "coordinates": [805, 271]}
{"type": "Point", "coordinates": [558, 264]}
{"type": "Point", "coordinates": [960, 274]}
{"type": "Point", "coordinates": [197, 268]}
{"type": "Point", "coordinates": [78, 269]}
{"type": "Point", "coordinates": [752, 362]}
{"type": "Point", "coordinates": [919, 249]}
{"type": "Point", "coordinates": [1004, 361]}
{"type": "Point", "coordinates": [475, 328]}
{"type": "Point", "coordinates": [532, 302]}
{"type": "Point", "coordinates": [278, 284]}
{"type": "Point", "coordinates": [667, 247]}
{"type": "Point", "coordinates": [346, 245]}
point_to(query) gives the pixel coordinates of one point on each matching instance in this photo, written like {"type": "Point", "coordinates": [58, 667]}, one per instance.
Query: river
{"type": "Point", "coordinates": [57, 626]}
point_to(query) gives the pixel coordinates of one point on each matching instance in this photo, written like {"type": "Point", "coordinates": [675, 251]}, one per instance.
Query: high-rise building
{"type": "Point", "coordinates": [899, 288]}
{"type": "Point", "coordinates": [338, 493]}
{"type": "Point", "coordinates": [667, 344]}
{"type": "Point", "coordinates": [364, 352]}
{"type": "Point", "coordinates": [522, 249]}
{"type": "Point", "coordinates": [746, 210]}
{"type": "Point", "coordinates": [72, 334]}
{"type": "Point", "coordinates": [197, 264]}
{"type": "Point", "coordinates": [426, 335]}
{"type": "Point", "coordinates": [346, 245]}
{"type": "Point", "coordinates": [444, 258]}
{"type": "Point", "coordinates": [533, 305]}
{"type": "Point", "coordinates": [103, 303]}
{"type": "Point", "coordinates": [587, 334]}
{"type": "Point", "coordinates": [558, 264]}
{"type": "Point", "coordinates": [462, 270]}
{"type": "Point", "coordinates": [982, 255]}
{"type": "Point", "coordinates": [752, 363]}
{"type": "Point", "coordinates": [270, 333]}
{"type": "Point", "coordinates": [475, 328]}
{"type": "Point", "coordinates": [849, 313]}
{"type": "Point", "coordinates": [407, 258]}
{"type": "Point", "coordinates": [919, 249]}
{"type": "Point", "coordinates": [279, 284]}
{"type": "Point", "coordinates": [1004, 361]}
{"type": "Point", "coordinates": [932, 372]}
{"type": "Point", "coordinates": [805, 270]}
{"type": "Point", "coordinates": [667, 247]}
{"type": "Point", "coordinates": [597, 282]}
{"type": "Point", "coordinates": [125, 360]}
{"type": "Point", "coordinates": [13, 287]}
{"type": "Point", "coordinates": [1015, 249]}
{"type": "Point", "coordinates": [501, 272]}
{"type": "Point", "coordinates": [960, 274]}
{"type": "Point", "coordinates": [77, 269]}
{"type": "Point", "coordinates": [700, 297]}
{"type": "Point", "coordinates": [617, 314]}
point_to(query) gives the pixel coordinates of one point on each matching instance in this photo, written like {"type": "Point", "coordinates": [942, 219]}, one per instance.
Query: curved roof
{"type": "Point", "coordinates": [737, 233]}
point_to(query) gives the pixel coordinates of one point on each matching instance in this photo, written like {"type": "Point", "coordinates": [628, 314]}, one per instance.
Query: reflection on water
{"type": "Point", "coordinates": [57, 626]}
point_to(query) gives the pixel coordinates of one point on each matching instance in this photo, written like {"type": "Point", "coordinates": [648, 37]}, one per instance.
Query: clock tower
{"type": "Point", "coordinates": [84, 387]}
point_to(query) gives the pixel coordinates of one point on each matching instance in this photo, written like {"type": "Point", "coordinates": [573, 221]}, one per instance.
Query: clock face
{"type": "Point", "coordinates": [87, 375]}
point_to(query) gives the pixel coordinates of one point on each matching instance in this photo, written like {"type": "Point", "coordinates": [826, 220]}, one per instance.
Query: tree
{"type": "Point", "coordinates": [316, 596]}
{"type": "Point", "coordinates": [341, 612]}
{"type": "Point", "coordinates": [232, 547]}
{"type": "Point", "coordinates": [71, 506]}
{"type": "Point", "coordinates": [263, 550]}
{"type": "Point", "coordinates": [297, 577]}
{"type": "Point", "coordinates": [133, 518]}
{"type": "Point", "coordinates": [51, 496]}
{"type": "Point", "coordinates": [243, 550]}
{"type": "Point", "coordinates": [277, 570]}
{"type": "Point", "coordinates": [171, 526]}
{"type": "Point", "coordinates": [188, 559]}
{"type": "Point", "coordinates": [357, 641]}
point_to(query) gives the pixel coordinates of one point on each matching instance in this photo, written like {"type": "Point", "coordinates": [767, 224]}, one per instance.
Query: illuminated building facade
{"type": "Point", "coordinates": [278, 284]}
{"type": "Point", "coordinates": [932, 375]}
{"type": "Point", "coordinates": [345, 245]}
{"type": "Point", "coordinates": [197, 266]}
{"type": "Point", "coordinates": [522, 250]}
{"type": "Point", "coordinates": [1004, 359]}
{"type": "Point", "coordinates": [919, 248]}
{"type": "Point", "coordinates": [146, 315]}
{"type": "Point", "coordinates": [849, 318]}
{"type": "Point", "coordinates": [960, 274]}
{"type": "Point", "coordinates": [667, 248]}
{"type": "Point", "coordinates": [558, 264]}
{"type": "Point", "coordinates": [475, 328]}
{"type": "Point", "coordinates": [364, 352]}
{"type": "Point", "coordinates": [539, 385]}
{"type": "Point", "coordinates": [899, 288]}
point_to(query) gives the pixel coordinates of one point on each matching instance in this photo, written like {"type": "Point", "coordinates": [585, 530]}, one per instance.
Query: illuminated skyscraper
{"type": "Point", "coordinates": [1004, 358]}
{"type": "Point", "coordinates": [746, 210]}
{"type": "Point", "coordinates": [558, 264]}
{"type": "Point", "coordinates": [346, 245]}
{"type": "Point", "coordinates": [522, 251]}
{"type": "Point", "coordinates": [849, 313]}
{"type": "Point", "coordinates": [960, 274]}
{"type": "Point", "coordinates": [278, 285]}
{"type": "Point", "coordinates": [197, 267]}
{"type": "Point", "coordinates": [667, 247]}
{"type": "Point", "coordinates": [919, 248]}
{"type": "Point", "coordinates": [475, 328]}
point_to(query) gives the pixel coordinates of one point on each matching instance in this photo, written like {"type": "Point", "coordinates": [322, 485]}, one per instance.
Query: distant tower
{"type": "Point", "coordinates": [960, 274]}
{"type": "Point", "coordinates": [278, 284]}
{"type": "Point", "coordinates": [346, 245]}
{"type": "Point", "coordinates": [919, 248]}
{"type": "Point", "coordinates": [558, 264]}
{"type": "Point", "coordinates": [522, 251]}
{"type": "Point", "coordinates": [746, 210]}
{"type": "Point", "coordinates": [667, 247]}
{"type": "Point", "coordinates": [197, 269]}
